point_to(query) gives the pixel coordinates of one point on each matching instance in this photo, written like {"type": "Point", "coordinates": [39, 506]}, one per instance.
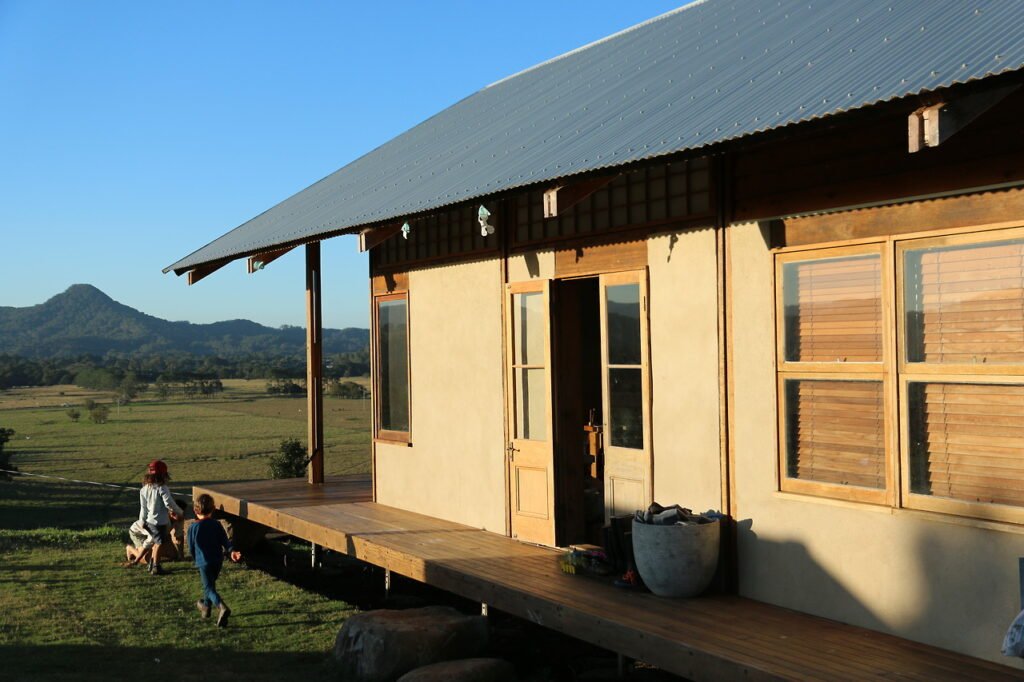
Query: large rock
{"type": "Point", "coordinates": [466, 670]}
{"type": "Point", "coordinates": [380, 646]}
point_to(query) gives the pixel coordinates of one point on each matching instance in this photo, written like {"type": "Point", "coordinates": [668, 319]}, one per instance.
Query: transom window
{"type": "Point", "coordinates": [916, 379]}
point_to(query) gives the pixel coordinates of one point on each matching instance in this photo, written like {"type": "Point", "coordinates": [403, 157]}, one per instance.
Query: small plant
{"type": "Point", "coordinates": [290, 460]}
{"type": "Point", "coordinates": [99, 414]}
{"type": "Point", "coordinates": [73, 414]}
{"type": "Point", "coordinates": [89, 404]}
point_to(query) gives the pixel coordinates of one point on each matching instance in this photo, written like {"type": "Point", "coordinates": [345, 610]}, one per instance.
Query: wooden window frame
{"type": "Point", "coordinates": [381, 434]}
{"type": "Point", "coordinates": [897, 374]}
{"type": "Point", "coordinates": [838, 370]}
{"type": "Point", "coordinates": [947, 373]}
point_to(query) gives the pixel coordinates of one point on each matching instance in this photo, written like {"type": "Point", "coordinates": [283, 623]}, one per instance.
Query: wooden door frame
{"type": "Point", "coordinates": [641, 277]}
{"type": "Point", "coordinates": [542, 286]}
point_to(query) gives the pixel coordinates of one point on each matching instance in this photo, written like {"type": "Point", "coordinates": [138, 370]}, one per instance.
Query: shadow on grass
{"type": "Point", "coordinates": [31, 503]}
{"type": "Point", "coordinates": [101, 662]}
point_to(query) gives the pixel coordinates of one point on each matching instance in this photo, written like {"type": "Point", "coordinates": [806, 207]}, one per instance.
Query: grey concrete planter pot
{"type": "Point", "coordinates": [676, 561]}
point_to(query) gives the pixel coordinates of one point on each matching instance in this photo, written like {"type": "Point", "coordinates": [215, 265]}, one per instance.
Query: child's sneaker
{"type": "Point", "coordinates": [204, 608]}
{"type": "Point", "coordinates": [222, 617]}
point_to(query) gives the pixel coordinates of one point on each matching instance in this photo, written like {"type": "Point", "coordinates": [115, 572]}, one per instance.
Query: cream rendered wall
{"type": "Point", "coordinates": [455, 469]}
{"type": "Point", "coordinates": [936, 579]}
{"type": "Point", "coordinates": [684, 368]}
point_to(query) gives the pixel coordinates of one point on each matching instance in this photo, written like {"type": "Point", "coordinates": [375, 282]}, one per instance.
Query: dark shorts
{"type": "Point", "coordinates": [163, 534]}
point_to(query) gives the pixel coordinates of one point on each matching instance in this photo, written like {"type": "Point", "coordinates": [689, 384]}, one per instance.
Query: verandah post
{"type": "Point", "coordinates": [314, 366]}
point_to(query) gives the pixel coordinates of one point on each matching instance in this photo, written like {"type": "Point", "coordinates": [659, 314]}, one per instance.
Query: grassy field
{"type": "Point", "coordinates": [69, 610]}
{"type": "Point", "coordinates": [229, 437]}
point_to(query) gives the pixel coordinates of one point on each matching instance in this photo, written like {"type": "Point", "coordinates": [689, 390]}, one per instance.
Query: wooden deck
{"type": "Point", "coordinates": [712, 637]}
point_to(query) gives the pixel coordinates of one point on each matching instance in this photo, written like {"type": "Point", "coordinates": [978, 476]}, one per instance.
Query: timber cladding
{"type": "Point", "coordinates": [599, 259]}
{"type": "Point", "coordinates": [868, 163]}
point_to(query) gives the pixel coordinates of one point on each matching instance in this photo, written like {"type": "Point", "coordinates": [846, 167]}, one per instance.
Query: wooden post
{"type": "Point", "coordinates": [314, 365]}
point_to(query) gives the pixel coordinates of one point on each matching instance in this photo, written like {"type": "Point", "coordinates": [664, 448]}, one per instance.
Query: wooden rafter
{"type": "Point", "coordinates": [199, 272]}
{"type": "Point", "coordinates": [932, 125]}
{"type": "Point", "coordinates": [373, 236]}
{"type": "Point", "coordinates": [563, 197]}
{"type": "Point", "coordinates": [258, 261]}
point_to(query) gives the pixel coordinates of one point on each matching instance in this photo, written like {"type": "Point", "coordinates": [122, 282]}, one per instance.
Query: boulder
{"type": "Point", "coordinates": [380, 646]}
{"type": "Point", "coordinates": [466, 670]}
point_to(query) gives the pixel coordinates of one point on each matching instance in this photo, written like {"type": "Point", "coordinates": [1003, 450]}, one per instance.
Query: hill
{"type": "Point", "coordinates": [83, 319]}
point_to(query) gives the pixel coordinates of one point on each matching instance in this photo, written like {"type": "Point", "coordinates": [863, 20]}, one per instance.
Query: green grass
{"type": "Point", "coordinates": [69, 610]}
{"type": "Point", "coordinates": [72, 612]}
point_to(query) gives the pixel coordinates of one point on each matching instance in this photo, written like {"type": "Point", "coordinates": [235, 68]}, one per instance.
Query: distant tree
{"type": "Point", "coordinates": [99, 414]}
{"type": "Point", "coordinates": [5, 456]}
{"type": "Point", "coordinates": [163, 390]}
{"type": "Point", "coordinates": [290, 460]}
{"type": "Point", "coordinates": [89, 404]}
{"type": "Point", "coordinates": [73, 414]}
{"type": "Point", "coordinates": [347, 389]}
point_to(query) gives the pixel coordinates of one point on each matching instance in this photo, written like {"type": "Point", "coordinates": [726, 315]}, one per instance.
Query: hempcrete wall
{"type": "Point", "coordinates": [455, 467]}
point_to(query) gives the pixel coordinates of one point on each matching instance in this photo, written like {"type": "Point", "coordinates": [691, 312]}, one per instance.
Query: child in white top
{"type": "Point", "coordinates": [157, 509]}
{"type": "Point", "coordinates": [142, 538]}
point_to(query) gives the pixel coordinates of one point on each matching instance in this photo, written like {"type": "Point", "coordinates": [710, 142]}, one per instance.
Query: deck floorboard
{"type": "Point", "coordinates": [711, 637]}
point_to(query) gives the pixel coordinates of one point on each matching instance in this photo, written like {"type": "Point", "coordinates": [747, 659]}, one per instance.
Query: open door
{"type": "Point", "coordinates": [530, 450]}
{"type": "Point", "coordinates": [626, 392]}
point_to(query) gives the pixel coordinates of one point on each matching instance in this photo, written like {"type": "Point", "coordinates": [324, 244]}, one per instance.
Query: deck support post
{"type": "Point", "coordinates": [483, 609]}
{"type": "Point", "coordinates": [620, 666]}
{"type": "Point", "coordinates": [314, 366]}
{"type": "Point", "coordinates": [387, 583]}
{"type": "Point", "coordinates": [315, 556]}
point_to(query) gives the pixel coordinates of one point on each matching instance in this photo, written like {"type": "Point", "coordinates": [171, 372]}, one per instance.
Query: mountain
{"type": "Point", "coordinates": [83, 319]}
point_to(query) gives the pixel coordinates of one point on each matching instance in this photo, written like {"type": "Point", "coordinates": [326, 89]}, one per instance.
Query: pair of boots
{"type": "Point", "coordinates": [222, 615]}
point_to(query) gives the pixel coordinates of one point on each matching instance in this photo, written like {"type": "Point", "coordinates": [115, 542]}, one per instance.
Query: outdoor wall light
{"type": "Point", "coordinates": [485, 227]}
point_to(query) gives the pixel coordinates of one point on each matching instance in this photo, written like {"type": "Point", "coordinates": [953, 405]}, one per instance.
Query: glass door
{"type": "Point", "coordinates": [626, 389]}
{"type": "Point", "coordinates": [530, 449]}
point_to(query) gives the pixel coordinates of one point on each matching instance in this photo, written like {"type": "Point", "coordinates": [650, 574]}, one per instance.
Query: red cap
{"type": "Point", "coordinates": [158, 467]}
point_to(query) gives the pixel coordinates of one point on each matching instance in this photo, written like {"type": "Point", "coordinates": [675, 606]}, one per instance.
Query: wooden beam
{"type": "Point", "coordinates": [376, 235]}
{"type": "Point", "coordinates": [932, 125]}
{"type": "Point", "coordinates": [314, 366]}
{"type": "Point", "coordinates": [562, 198]}
{"type": "Point", "coordinates": [200, 272]}
{"type": "Point", "coordinates": [260, 260]}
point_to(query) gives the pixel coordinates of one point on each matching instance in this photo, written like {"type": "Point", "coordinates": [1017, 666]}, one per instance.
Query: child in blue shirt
{"type": "Point", "coordinates": [208, 543]}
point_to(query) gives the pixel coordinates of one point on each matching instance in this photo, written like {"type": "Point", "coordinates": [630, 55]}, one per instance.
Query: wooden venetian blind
{"type": "Point", "coordinates": [836, 432]}
{"type": "Point", "coordinates": [965, 304]}
{"type": "Point", "coordinates": [967, 441]}
{"type": "Point", "coordinates": [833, 310]}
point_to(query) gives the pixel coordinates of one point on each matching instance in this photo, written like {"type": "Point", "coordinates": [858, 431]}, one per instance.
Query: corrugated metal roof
{"type": "Point", "coordinates": [706, 73]}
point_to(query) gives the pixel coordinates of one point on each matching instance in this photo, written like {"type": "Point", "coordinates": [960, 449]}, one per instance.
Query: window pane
{"type": "Point", "coordinates": [965, 304]}
{"type": "Point", "coordinates": [529, 322]}
{"type": "Point", "coordinates": [967, 441]}
{"type": "Point", "coordinates": [623, 302]}
{"type": "Point", "coordinates": [394, 365]}
{"type": "Point", "coordinates": [531, 404]}
{"type": "Point", "coordinates": [835, 432]}
{"type": "Point", "coordinates": [626, 403]}
{"type": "Point", "coordinates": [833, 310]}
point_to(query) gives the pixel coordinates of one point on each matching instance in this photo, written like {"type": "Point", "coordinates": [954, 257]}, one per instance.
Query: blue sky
{"type": "Point", "coordinates": [132, 133]}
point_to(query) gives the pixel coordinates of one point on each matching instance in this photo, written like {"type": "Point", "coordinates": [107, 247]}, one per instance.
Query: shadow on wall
{"type": "Point", "coordinates": [955, 587]}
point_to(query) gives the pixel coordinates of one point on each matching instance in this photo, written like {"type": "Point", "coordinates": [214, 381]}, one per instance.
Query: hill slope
{"type": "Point", "coordinates": [83, 319]}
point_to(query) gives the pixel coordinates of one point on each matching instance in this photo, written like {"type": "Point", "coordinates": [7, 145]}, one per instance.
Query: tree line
{"type": "Point", "coordinates": [191, 373]}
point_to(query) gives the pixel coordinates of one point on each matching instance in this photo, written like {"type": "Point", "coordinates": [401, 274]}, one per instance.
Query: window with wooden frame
{"type": "Point", "coordinates": [834, 376]}
{"type": "Point", "coordinates": [955, 374]}
{"type": "Point", "coordinates": [961, 362]}
{"type": "Point", "coordinates": [391, 365]}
